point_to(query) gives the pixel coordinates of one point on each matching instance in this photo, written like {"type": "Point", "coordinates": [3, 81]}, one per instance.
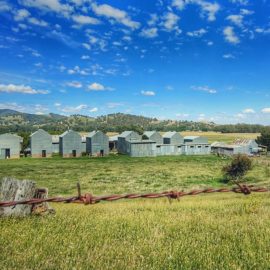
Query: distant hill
{"type": "Point", "coordinates": [13, 121]}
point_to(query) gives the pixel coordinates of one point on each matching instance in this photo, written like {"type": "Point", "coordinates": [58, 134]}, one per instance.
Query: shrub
{"type": "Point", "coordinates": [239, 166]}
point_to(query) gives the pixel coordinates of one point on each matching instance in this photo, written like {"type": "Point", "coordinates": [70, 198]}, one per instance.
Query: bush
{"type": "Point", "coordinates": [239, 166]}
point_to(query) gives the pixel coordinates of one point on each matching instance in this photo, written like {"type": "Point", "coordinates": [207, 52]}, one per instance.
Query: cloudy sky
{"type": "Point", "coordinates": [187, 60]}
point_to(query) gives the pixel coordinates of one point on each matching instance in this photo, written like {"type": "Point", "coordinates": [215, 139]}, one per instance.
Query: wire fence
{"type": "Point", "coordinates": [91, 199]}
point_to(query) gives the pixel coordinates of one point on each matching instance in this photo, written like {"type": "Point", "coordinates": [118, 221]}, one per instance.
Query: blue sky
{"type": "Point", "coordinates": [197, 60]}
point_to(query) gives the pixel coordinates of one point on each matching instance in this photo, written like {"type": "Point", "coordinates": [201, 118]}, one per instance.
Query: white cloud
{"type": "Point", "coordinates": [37, 22]}
{"type": "Point", "coordinates": [73, 109]}
{"type": "Point", "coordinates": [230, 35]}
{"type": "Point", "coordinates": [21, 14]}
{"type": "Point", "coordinates": [149, 33]}
{"type": "Point", "coordinates": [85, 57]}
{"type": "Point", "coordinates": [170, 21]}
{"type": "Point", "coordinates": [12, 88]}
{"type": "Point", "coordinates": [206, 89]}
{"type": "Point", "coordinates": [112, 105]}
{"type": "Point", "coordinates": [182, 115]}
{"type": "Point", "coordinates": [148, 93]}
{"type": "Point", "coordinates": [208, 9]}
{"type": "Point", "coordinates": [266, 110]}
{"type": "Point", "coordinates": [248, 110]}
{"type": "Point", "coordinates": [197, 33]}
{"type": "Point", "coordinates": [240, 2]}
{"type": "Point", "coordinates": [81, 19]}
{"type": "Point", "coordinates": [93, 110]}
{"type": "Point", "coordinates": [98, 87]}
{"type": "Point", "coordinates": [118, 15]}
{"type": "Point", "coordinates": [4, 6]}
{"type": "Point", "coordinates": [228, 56]}
{"type": "Point", "coordinates": [244, 11]}
{"type": "Point", "coordinates": [236, 19]}
{"type": "Point", "coordinates": [48, 5]}
{"type": "Point", "coordinates": [180, 4]}
{"type": "Point", "coordinates": [74, 84]}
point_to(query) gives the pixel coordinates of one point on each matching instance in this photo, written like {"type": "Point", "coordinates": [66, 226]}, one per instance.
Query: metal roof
{"type": "Point", "coordinates": [113, 138]}
{"type": "Point", "coordinates": [149, 133]}
{"type": "Point", "coordinates": [170, 134]}
{"type": "Point", "coordinates": [125, 134]}
{"type": "Point", "coordinates": [191, 137]}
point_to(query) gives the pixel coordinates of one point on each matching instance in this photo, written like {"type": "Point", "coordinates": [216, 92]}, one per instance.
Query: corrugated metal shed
{"type": "Point", "coordinates": [10, 146]}
{"type": "Point", "coordinates": [41, 144]}
{"type": "Point", "coordinates": [144, 148]}
{"type": "Point", "coordinates": [173, 137]}
{"type": "Point", "coordinates": [97, 143]}
{"type": "Point", "coordinates": [126, 136]}
{"type": "Point", "coordinates": [196, 145]}
{"type": "Point", "coordinates": [70, 144]}
{"type": "Point", "coordinates": [153, 136]}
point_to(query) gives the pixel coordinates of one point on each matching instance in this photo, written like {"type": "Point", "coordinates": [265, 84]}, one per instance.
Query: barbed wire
{"type": "Point", "coordinates": [91, 199]}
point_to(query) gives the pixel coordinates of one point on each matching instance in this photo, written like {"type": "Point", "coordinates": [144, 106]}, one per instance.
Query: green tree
{"type": "Point", "coordinates": [264, 139]}
{"type": "Point", "coordinates": [239, 166]}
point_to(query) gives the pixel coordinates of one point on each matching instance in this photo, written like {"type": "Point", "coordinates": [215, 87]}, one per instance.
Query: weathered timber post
{"type": "Point", "coordinates": [15, 190]}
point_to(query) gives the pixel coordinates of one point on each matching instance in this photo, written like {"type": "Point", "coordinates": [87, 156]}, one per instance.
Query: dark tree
{"type": "Point", "coordinates": [264, 139]}
{"type": "Point", "coordinates": [239, 166]}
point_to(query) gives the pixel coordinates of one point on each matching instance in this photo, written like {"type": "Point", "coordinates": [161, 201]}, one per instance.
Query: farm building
{"type": "Point", "coordinates": [70, 144]}
{"type": "Point", "coordinates": [10, 146]}
{"type": "Point", "coordinates": [196, 145]}
{"type": "Point", "coordinates": [55, 144]}
{"type": "Point", "coordinates": [123, 138]}
{"type": "Point", "coordinates": [173, 137]}
{"type": "Point", "coordinates": [141, 148]}
{"type": "Point", "coordinates": [248, 147]}
{"type": "Point", "coordinates": [97, 143]}
{"type": "Point", "coordinates": [169, 149]}
{"type": "Point", "coordinates": [41, 144]}
{"type": "Point", "coordinates": [153, 136]}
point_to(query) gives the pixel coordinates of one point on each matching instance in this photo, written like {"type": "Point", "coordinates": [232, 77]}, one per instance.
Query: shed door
{"type": "Point", "coordinates": [7, 153]}
{"type": "Point", "coordinates": [102, 152]}
{"type": "Point", "coordinates": [44, 153]}
{"type": "Point", "coordinates": [74, 154]}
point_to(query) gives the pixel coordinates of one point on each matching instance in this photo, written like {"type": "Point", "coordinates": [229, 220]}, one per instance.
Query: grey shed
{"type": "Point", "coordinates": [97, 143]}
{"type": "Point", "coordinates": [153, 136]}
{"type": "Point", "coordinates": [70, 144]}
{"type": "Point", "coordinates": [123, 138]}
{"type": "Point", "coordinates": [173, 137]}
{"type": "Point", "coordinates": [143, 148]}
{"type": "Point", "coordinates": [41, 144]}
{"type": "Point", "coordinates": [196, 145]}
{"type": "Point", "coordinates": [10, 146]}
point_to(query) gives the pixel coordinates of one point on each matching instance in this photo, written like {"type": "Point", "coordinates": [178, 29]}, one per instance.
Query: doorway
{"type": "Point", "coordinates": [43, 153]}
{"type": "Point", "coordinates": [74, 153]}
{"type": "Point", "coordinates": [102, 153]}
{"type": "Point", "coordinates": [7, 153]}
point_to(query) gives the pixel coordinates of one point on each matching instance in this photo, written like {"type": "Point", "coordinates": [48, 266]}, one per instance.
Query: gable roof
{"type": "Point", "coordinates": [125, 134]}
{"type": "Point", "coordinates": [149, 133]}
{"type": "Point", "coordinates": [170, 134]}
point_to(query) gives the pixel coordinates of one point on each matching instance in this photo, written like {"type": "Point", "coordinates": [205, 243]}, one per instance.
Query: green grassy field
{"type": "Point", "coordinates": [214, 231]}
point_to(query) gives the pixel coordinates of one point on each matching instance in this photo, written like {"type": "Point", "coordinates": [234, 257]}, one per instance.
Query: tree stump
{"type": "Point", "coordinates": [15, 190]}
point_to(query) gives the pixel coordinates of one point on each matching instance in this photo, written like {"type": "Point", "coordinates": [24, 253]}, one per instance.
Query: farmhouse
{"type": "Point", "coordinates": [41, 144]}
{"type": "Point", "coordinates": [70, 144]}
{"type": "Point", "coordinates": [10, 146]}
{"type": "Point", "coordinates": [153, 136]}
{"type": "Point", "coordinates": [123, 138]}
{"type": "Point", "coordinates": [196, 145]}
{"type": "Point", "coordinates": [173, 137]}
{"type": "Point", "coordinates": [248, 147]}
{"type": "Point", "coordinates": [97, 143]}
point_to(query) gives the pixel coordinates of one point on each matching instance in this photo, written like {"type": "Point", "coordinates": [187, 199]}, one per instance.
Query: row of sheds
{"type": "Point", "coordinates": [69, 144]}
{"type": "Point", "coordinates": [152, 143]}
